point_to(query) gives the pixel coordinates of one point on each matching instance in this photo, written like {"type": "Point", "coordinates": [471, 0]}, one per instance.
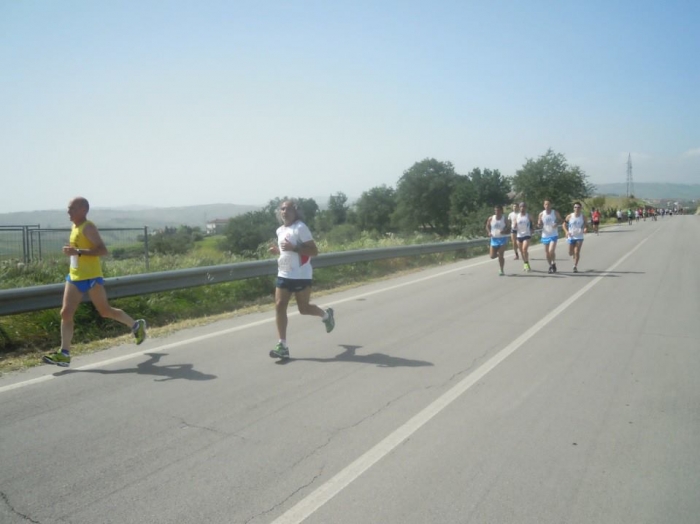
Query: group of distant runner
{"type": "Point", "coordinates": [519, 227]}
{"type": "Point", "coordinates": [646, 212]}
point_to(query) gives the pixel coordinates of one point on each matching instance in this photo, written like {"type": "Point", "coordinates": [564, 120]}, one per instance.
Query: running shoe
{"type": "Point", "coordinates": [280, 351]}
{"type": "Point", "coordinates": [550, 270]}
{"type": "Point", "coordinates": [501, 273]}
{"type": "Point", "coordinates": [575, 269]}
{"type": "Point", "coordinates": [554, 268]}
{"type": "Point", "coordinates": [526, 266]}
{"type": "Point", "coordinates": [139, 331]}
{"type": "Point", "coordinates": [58, 359]}
{"type": "Point", "coordinates": [330, 321]}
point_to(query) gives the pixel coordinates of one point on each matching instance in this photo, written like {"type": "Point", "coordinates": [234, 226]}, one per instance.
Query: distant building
{"type": "Point", "coordinates": [217, 225]}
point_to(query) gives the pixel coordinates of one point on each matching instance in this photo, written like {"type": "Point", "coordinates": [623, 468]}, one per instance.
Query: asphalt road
{"type": "Point", "coordinates": [451, 395]}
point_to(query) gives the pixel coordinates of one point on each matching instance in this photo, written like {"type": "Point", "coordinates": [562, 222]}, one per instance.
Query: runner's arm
{"type": "Point", "coordinates": [98, 248]}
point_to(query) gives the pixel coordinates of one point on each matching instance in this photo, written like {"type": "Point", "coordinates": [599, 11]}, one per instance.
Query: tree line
{"type": "Point", "coordinates": [430, 197]}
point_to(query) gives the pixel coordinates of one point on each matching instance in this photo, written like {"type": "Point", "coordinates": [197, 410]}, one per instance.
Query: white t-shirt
{"type": "Point", "coordinates": [512, 216]}
{"type": "Point", "coordinates": [497, 226]}
{"type": "Point", "coordinates": [291, 264]}
{"type": "Point", "coordinates": [549, 224]}
{"type": "Point", "coordinates": [523, 224]}
{"type": "Point", "coordinates": [576, 225]}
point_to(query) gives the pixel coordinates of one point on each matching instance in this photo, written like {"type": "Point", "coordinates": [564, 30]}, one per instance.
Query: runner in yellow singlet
{"type": "Point", "coordinates": [85, 276]}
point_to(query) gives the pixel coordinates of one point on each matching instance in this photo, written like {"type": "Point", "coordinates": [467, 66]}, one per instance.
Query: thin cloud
{"type": "Point", "coordinates": [691, 153]}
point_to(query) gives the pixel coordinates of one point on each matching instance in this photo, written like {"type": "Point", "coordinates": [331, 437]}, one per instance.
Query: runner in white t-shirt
{"type": "Point", "coordinates": [575, 227]}
{"type": "Point", "coordinates": [549, 221]}
{"type": "Point", "coordinates": [523, 226]}
{"type": "Point", "coordinates": [497, 229]}
{"type": "Point", "coordinates": [295, 247]}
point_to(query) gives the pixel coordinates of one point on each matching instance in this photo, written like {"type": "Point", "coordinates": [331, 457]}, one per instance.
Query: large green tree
{"type": "Point", "coordinates": [374, 208]}
{"type": "Point", "coordinates": [423, 197]}
{"type": "Point", "coordinates": [550, 177]}
{"type": "Point", "coordinates": [463, 202]}
{"type": "Point", "coordinates": [490, 186]}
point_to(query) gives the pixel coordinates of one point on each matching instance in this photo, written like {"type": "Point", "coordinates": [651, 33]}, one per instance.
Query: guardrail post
{"type": "Point", "coordinates": [145, 244]}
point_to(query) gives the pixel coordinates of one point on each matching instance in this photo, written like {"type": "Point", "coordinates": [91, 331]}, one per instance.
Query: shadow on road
{"type": "Point", "coordinates": [169, 372]}
{"type": "Point", "coordinates": [379, 359]}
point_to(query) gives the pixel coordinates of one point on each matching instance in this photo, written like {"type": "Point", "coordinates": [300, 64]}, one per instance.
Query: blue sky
{"type": "Point", "coordinates": [182, 103]}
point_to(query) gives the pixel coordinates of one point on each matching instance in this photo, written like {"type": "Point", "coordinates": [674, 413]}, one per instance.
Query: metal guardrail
{"type": "Point", "coordinates": [35, 298]}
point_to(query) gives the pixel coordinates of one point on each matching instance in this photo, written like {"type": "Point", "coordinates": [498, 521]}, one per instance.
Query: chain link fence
{"type": "Point", "coordinates": [31, 243]}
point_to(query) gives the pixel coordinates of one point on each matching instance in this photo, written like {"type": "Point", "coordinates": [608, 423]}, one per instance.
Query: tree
{"type": "Point", "coordinates": [245, 233]}
{"type": "Point", "coordinates": [338, 208]}
{"type": "Point", "coordinates": [336, 213]}
{"type": "Point", "coordinates": [423, 197]}
{"type": "Point", "coordinates": [551, 178]}
{"type": "Point", "coordinates": [463, 202]}
{"type": "Point", "coordinates": [374, 208]}
{"type": "Point", "coordinates": [491, 187]}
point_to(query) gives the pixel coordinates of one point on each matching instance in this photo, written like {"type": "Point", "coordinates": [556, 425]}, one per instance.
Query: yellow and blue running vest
{"type": "Point", "coordinates": [88, 266]}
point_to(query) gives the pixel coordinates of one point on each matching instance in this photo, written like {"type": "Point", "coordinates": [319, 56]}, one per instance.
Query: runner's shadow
{"type": "Point", "coordinates": [533, 273]}
{"type": "Point", "coordinates": [170, 372]}
{"type": "Point", "coordinates": [379, 359]}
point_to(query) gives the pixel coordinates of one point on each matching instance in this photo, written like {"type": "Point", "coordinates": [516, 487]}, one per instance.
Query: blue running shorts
{"type": "Point", "coordinates": [86, 285]}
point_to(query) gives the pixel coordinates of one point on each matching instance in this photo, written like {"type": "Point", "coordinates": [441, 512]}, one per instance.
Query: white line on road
{"type": "Point", "coordinates": [303, 509]}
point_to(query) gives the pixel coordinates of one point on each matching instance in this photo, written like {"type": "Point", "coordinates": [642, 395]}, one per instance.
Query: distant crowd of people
{"type": "Point", "coordinates": [646, 212]}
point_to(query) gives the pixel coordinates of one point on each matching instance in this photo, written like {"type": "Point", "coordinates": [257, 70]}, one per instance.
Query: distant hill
{"type": "Point", "coordinates": [653, 191]}
{"type": "Point", "coordinates": [154, 218]}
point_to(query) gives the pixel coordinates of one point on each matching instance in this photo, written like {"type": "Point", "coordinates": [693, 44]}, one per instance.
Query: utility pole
{"type": "Point", "coordinates": [630, 182]}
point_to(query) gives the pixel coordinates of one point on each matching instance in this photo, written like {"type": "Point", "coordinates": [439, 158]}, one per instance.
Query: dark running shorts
{"type": "Point", "coordinates": [293, 285]}
{"type": "Point", "coordinates": [523, 239]}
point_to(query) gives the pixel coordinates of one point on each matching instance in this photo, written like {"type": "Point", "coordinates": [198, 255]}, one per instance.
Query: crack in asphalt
{"type": "Point", "coordinates": [6, 500]}
{"type": "Point", "coordinates": [317, 449]}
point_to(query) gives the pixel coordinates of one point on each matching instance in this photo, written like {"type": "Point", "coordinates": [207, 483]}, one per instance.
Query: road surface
{"type": "Point", "coordinates": [451, 395]}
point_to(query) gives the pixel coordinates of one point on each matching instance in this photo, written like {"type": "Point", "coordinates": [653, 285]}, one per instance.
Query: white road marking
{"type": "Point", "coordinates": [303, 509]}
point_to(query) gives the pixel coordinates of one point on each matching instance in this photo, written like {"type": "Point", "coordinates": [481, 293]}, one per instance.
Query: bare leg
{"type": "Point", "coordinates": [524, 246]}
{"type": "Point", "coordinates": [282, 297]}
{"type": "Point", "coordinates": [71, 300]}
{"type": "Point", "coordinates": [305, 308]}
{"type": "Point", "coordinates": [577, 252]}
{"type": "Point", "coordinates": [98, 295]}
